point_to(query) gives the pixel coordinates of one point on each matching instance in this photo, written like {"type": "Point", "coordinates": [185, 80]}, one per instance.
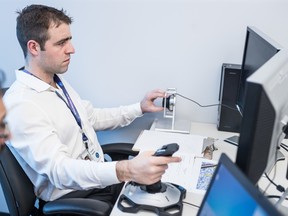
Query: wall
{"type": "Point", "coordinates": [125, 48]}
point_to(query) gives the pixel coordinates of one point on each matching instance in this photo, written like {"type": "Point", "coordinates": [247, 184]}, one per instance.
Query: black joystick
{"type": "Point", "coordinates": [165, 150]}
{"type": "Point", "coordinates": [163, 198]}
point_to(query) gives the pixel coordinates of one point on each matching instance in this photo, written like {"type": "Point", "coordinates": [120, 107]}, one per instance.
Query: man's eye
{"type": "Point", "coordinates": [61, 43]}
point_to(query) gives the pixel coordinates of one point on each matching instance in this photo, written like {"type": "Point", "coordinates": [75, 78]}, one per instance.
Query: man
{"type": "Point", "coordinates": [53, 129]}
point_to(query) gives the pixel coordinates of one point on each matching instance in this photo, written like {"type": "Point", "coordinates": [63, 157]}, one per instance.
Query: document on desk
{"type": "Point", "coordinates": [152, 140]}
{"type": "Point", "coordinates": [193, 172]}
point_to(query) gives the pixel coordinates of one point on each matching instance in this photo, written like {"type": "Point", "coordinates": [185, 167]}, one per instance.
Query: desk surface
{"type": "Point", "coordinates": [210, 130]}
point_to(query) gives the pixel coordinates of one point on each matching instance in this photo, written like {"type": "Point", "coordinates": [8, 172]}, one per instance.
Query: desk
{"type": "Point", "coordinates": [210, 130]}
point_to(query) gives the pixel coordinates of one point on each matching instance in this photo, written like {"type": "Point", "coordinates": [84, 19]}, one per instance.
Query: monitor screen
{"type": "Point", "coordinates": [264, 115]}
{"type": "Point", "coordinates": [231, 193]}
{"type": "Point", "coordinates": [258, 49]}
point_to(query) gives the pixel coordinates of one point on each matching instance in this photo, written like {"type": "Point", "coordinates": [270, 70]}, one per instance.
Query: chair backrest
{"type": "Point", "coordinates": [17, 187]}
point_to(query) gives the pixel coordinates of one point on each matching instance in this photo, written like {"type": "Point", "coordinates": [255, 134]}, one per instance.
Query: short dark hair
{"type": "Point", "coordinates": [34, 21]}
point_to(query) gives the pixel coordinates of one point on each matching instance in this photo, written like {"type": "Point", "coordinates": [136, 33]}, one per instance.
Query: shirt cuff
{"type": "Point", "coordinates": [108, 173]}
{"type": "Point", "coordinates": [138, 110]}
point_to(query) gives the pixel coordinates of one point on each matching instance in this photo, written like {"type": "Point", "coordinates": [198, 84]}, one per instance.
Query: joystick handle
{"type": "Point", "coordinates": [165, 150]}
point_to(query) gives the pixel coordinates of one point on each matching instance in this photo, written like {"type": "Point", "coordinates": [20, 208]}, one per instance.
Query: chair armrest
{"type": "Point", "coordinates": [77, 206]}
{"type": "Point", "coordinates": [119, 151]}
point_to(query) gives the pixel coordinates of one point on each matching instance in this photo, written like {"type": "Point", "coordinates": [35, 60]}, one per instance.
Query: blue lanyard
{"type": "Point", "coordinates": [28, 72]}
{"type": "Point", "coordinates": [70, 104]}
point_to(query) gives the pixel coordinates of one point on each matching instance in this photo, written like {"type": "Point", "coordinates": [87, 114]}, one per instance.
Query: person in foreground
{"type": "Point", "coordinates": [53, 129]}
{"type": "Point", "coordinates": [4, 130]}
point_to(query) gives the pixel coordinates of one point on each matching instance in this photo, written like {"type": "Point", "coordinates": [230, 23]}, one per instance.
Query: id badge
{"type": "Point", "coordinates": [93, 154]}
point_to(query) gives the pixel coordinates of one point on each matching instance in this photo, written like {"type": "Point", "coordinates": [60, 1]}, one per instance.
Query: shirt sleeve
{"type": "Point", "coordinates": [111, 118]}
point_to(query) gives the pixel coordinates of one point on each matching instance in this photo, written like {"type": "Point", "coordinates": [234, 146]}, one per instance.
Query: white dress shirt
{"type": "Point", "coordinates": [47, 141]}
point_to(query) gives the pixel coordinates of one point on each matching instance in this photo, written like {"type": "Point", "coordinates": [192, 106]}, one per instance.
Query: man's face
{"type": "Point", "coordinates": [55, 58]}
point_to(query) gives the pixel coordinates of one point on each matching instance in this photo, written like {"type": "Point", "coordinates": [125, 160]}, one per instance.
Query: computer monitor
{"type": "Point", "coordinates": [258, 49]}
{"type": "Point", "coordinates": [265, 114]}
{"type": "Point", "coordinates": [231, 193]}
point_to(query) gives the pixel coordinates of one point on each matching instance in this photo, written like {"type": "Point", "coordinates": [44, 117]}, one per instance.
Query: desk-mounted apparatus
{"type": "Point", "coordinates": [169, 123]}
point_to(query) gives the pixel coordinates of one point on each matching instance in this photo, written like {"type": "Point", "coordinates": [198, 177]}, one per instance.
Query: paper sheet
{"type": "Point", "coordinates": [193, 173]}
{"type": "Point", "coordinates": [152, 140]}
{"type": "Point", "coordinates": [188, 173]}
{"type": "Point", "coordinates": [203, 170]}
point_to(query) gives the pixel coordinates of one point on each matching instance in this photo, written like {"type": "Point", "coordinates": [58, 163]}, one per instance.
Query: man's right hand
{"type": "Point", "coordinates": [144, 168]}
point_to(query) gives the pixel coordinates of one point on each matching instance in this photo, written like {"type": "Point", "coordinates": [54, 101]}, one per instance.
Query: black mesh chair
{"type": "Point", "coordinates": [19, 193]}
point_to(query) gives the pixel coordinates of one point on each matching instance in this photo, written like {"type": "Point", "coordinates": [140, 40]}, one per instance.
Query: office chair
{"type": "Point", "coordinates": [19, 191]}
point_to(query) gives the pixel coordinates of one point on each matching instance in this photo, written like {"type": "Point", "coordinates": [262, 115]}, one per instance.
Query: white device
{"type": "Point", "coordinates": [169, 123]}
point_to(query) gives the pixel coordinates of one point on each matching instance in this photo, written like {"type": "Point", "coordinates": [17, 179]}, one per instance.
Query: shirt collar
{"type": "Point", "coordinates": [33, 82]}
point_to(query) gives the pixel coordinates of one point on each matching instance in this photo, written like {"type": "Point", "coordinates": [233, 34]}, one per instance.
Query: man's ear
{"type": "Point", "coordinates": [33, 47]}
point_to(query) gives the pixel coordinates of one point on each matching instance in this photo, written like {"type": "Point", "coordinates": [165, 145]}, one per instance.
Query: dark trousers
{"type": "Point", "coordinates": [108, 194]}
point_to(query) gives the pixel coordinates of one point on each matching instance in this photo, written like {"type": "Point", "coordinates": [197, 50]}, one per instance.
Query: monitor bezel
{"type": "Point", "coordinates": [252, 31]}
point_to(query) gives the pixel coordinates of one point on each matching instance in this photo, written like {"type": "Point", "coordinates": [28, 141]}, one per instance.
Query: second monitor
{"type": "Point", "coordinates": [265, 117]}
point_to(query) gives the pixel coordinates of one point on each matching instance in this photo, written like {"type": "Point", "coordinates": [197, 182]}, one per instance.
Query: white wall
{"type": "Point", "coordinates": [125, 48]}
